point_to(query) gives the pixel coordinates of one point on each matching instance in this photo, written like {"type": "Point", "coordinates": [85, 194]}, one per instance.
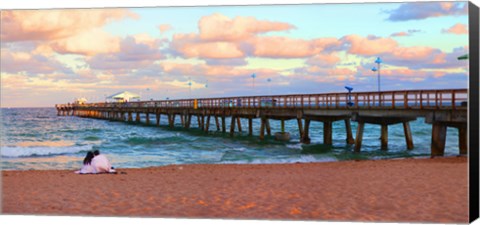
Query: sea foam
{"type": "Point", "coordinates": [7, 151]}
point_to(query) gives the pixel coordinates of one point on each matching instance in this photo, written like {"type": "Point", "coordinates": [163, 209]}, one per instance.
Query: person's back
{"type": "Point", "coordinates": [100, 163]}
{"type": "Point", "coordinates": [87, 164]}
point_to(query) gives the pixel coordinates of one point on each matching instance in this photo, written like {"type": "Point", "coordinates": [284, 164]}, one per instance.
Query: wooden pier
{"type": "Point", "coordinates": [441, 108]}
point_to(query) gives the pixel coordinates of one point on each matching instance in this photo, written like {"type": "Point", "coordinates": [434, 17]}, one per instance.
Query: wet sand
{"type": "Point", "coordinates": [407, 190]}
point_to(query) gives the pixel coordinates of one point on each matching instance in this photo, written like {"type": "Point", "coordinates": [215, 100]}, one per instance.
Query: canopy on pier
{"type": "Point", "coordinates": [124, 96]}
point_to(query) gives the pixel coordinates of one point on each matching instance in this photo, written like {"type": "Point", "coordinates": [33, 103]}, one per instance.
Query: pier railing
{"type": "Point", "coordinates": [408, 99]}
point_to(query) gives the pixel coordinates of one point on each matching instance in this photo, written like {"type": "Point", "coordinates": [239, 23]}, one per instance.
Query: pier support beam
{"type": "Point", "coordinates": [463, 140]}
{"type": "Point", "coordinates": [130, 118]}
{"type": "Point", "coordinates": [408, 135]}
{"type": "Point", "coordinates": [305, 136]}
{"type": "Point", "coordinates": [384, 122]}
{"type": "Point", "coordinates": [232, 126]}
{"type": "Point", "coordinates": [189, 121]}
{"type": "Point", "coordinates": [239, 124]}
{"type": "Point", "coordinates": [358, 139]}
{"type": "Point", "coordinates": [250, 127]}
{"type": "Point", "coordinates": [348, 128]}
{"type": "Point", "coordinates": [267, 125]}
{"type": "Point", "coordinates": [224, 126]}
{"type": "Point", "coordinates": [147, 118]}
{"type": "Point", "coordinates": [384, 137]}
{"type": "Point", "coordinates": [439, 134]}
{"type": "Point", "coordinates": [157, 117]}
{"type": "Point", "coordinates": [327, 132]}
{"type": "Point", "coordinates": [217, 123]}
{"type": "Point", "coordinates": [300, 128]}
{"type": "Point", "coordinates": [207, 125]}
{"type": "Point", "coordinates": [137, 119]}
{"type": "Point", "coordinates": [262, 128]}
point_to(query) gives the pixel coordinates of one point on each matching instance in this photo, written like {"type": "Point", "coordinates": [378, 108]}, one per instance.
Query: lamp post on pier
{"type": "Point", "coordinates": [378, 61]}
{"type": "Point", "coordinates": [253, 80]}
{"type": "Point", "coordinates": [269, 80]}
{"type": "Point", "coordinates": [189, 87]}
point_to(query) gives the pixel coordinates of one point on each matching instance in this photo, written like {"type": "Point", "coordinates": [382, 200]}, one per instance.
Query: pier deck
{"type": "Point", "coordinates": [441, 108]}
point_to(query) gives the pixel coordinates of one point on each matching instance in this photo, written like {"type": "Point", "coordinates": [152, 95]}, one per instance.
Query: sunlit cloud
{"type": "Point", "coordinates": [368, 46]}
{"type": "Point", "coordinates": [217, 27]}
{"type": "Point", "coordinates": [422, 10]}
{"type": "Point", "coordinates": [135, 52]}
{"type": "Point", "coordinates": [31, 64]}
{"type": "Point", "coordinates": [48, 25]}
{"type": "Point", "coordinates": [164, 28]}
{"type": "Point", "coordinates": [457, 29]}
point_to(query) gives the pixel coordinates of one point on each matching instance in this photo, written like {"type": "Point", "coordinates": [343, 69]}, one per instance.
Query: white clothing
{"type": "Point", "coordinates": [101, 164]}
{"type": "Point", "coordinates": [86, 169]}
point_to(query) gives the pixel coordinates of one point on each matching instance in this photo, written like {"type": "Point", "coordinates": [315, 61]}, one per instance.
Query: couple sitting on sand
{"type": "Point", "coordinates": [94, 162]}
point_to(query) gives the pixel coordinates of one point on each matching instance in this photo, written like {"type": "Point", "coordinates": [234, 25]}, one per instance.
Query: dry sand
{"type": "Point", "coordinates": [409, 190]}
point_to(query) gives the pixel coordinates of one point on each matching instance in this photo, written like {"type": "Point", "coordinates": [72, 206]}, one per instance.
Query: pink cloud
{"type": "Point", "coordinates": [324, 60]}
{"type": "Point", "coordinates": [164, 28]}
{"type": "Point", "coordinates": [284, 47]}
{"type": "Point", "coordinates": [369, 46]}
{"type": "Point", "coordinates": [217, 27]}
{"type": "Point", "coordinates": [400, 34]}
{"type": "Point", "coordinates": [47, 25]}
{"type": "Point", "coordinates": [25, 62]}
{"type": "Point", "coordinates": [457, 29]}
{"type": "Point", "coordinates": [89, 43]}
{"type": "Point", "coordinates": [190, 46]}
{"type": "Point", "coordinates": [135, 52]}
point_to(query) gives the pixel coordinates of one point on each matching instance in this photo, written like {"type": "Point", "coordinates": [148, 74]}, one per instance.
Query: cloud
{"type": "Point", "coordinates": [368, 46]}
{"type": "Point", "coordinates": [31, 64]}
{"type": "Point", "coordinates": [284, 47]}
{"type": "Point", "coordinates": [405, 33]}
{"type": "Point", "coordinates": [324, 60]}
{"type": "Point", "coordinates": [217, 27]}
{"type": "Point", "coordinates": [164, 28]}
{"type": "Point", "coordinates": [221, 37]}
{"type": "Point", "coordinates": [135, 52]}
{"type": "Point", "coordinates": [418, 11]}
{"type": "Point", "coordinates": [457, 29]}
{"type": "Point", "coordinates": [89, 43]}
{"type": "Point", "coordinates": [191, 46]}
{"type": "Point", "coordinates": [47, 25]}
{"type": "Point", "coordinates": [421, 57]}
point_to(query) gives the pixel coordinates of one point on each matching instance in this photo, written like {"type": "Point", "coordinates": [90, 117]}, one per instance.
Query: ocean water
{"type": "Point", "coordinates": [38, 139]}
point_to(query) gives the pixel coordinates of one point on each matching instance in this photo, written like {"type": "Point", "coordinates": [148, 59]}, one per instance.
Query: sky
{"type": "Point", "coordinates": [53, 56]}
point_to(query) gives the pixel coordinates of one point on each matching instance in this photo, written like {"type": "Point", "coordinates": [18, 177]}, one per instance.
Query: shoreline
{"type": "Point", "coordinates": [382, 190]}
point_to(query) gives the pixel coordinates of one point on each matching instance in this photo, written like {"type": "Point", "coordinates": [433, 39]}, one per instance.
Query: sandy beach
{"type": "Point", "coordinates": [408, 190]}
